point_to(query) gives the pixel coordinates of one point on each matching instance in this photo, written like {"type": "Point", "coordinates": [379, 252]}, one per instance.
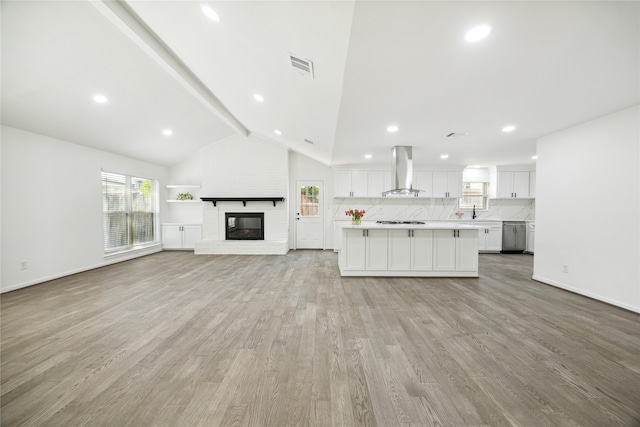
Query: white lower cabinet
{"type": "Point", "coordinates": [376, 250]}
{"type": "Point", "coordinates": [455, 250]}
{"type": "Point", "coordinates": [365, 249]}
{"type": "Point", "coordinates": [402, 252]}
{"type": "Point", "coordinates": [531, 236]}
{"type": "Point", "coordinates": [410, 250]}
{"type": "Point", "coordinates": [490, 237]}
{"type": "Point", "coordinates": [180, 236]}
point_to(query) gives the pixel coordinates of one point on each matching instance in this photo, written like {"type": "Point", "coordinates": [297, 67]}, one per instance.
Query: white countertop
{"type": "Point", "coordinates": [427, 226]}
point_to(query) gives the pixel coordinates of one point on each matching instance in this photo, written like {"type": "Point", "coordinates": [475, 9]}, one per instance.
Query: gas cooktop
{"type": "Point", "coordinates": [399, 222]}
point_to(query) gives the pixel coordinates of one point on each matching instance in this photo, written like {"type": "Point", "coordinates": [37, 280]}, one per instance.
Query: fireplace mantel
{"type": "Point", "coordinates": [244, 200]}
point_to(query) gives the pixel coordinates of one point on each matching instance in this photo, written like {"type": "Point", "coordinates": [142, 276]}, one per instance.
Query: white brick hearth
{"type": "Point", "coordinates": [213, 230]}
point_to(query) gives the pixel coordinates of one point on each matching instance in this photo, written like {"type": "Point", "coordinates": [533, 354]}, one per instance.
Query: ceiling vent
{"type": "Point", "coordinates": [457, 134]}
{"type": "Point", "coordinates": [301, 66]}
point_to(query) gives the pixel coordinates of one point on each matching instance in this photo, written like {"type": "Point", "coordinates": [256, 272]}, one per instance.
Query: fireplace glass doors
{"type": "Point", "coordinates": [244, 225]}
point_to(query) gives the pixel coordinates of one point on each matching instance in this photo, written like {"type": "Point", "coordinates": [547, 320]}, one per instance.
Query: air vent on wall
{"type": "Point", "coordinates": [457, 134]}
{"type": "Point", "coordinates": [301, 66]}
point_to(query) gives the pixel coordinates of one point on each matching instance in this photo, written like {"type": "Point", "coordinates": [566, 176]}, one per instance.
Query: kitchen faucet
{"type": "Point", "coordinates": [473, 215]}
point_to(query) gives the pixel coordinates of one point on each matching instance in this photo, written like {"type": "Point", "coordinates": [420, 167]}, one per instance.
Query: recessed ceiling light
{"type": "Point", "coordinates": [167, 132]}
{"type": "Point", "coordinates": [277, 132]}
{"type": "Point", "coordinates": [100, 99]}
{"type": "Point", "coordinates": [211, 14]}
{"type": "Point", "coordinates": [534, 157]}
{"type": "Point", "coordinates": [509, 128]}
{"type": "Point", "coordinates": [477, 33]}
{"type": "Point", "coordinates": [367, 156]}
{"type": "Point", "coordinates": [258, 97]}
{"type": "Point", "coordinates": [444, 156]}
{"type": "Point", "coordinates": [392, 128]}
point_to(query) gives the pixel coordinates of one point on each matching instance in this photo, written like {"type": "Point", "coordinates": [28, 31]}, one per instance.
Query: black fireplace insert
{"type": "Point", "coordinates": [244, 225]}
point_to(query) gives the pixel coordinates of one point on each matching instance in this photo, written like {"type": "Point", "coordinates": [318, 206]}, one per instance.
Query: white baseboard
{"type": "Point", "coordinates": [112, 259]}
{"type": "Point", "coordinates": [586, 294]}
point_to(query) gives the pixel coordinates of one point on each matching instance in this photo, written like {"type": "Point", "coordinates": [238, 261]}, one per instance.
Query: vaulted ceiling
{"type": "Point", "coordinates": [163, 65]}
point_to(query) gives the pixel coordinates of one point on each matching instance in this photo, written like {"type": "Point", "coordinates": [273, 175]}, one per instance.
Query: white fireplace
{"type": "Point", "coordinates": [214, 229]}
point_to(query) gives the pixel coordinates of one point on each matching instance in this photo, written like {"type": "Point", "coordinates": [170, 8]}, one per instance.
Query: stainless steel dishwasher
{"type": "Point", "coordinates": [514, 237]}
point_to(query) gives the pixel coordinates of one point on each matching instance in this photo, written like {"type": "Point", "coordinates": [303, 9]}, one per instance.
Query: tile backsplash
{"type": "Point", "coordinates": [424, 209]}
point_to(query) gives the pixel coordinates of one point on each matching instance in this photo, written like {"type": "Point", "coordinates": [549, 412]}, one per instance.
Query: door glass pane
{"type": "Point", "coordinates": [309, 206]}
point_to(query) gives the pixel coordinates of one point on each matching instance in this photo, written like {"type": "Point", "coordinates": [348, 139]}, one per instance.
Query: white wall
{"type": "Point", "coordinates": [302, 168]}
{"type": "Point", "coordinates": [52, 206]}
{"type": "Point", "coordinates": [587, 218]}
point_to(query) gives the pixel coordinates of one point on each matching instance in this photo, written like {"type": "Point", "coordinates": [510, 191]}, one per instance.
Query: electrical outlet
{"type": "Point", "coordinates": [23, 265]}
{"type": "Point", "coordinates": [565, 268]}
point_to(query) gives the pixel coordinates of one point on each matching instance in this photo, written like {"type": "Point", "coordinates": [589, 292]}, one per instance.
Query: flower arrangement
{"type": "Point", "coordinates": [184, 196]}
{"type": "Point", "coordinates": [356, 215]}
{"type": "Point", "coordinates": [459, 214]}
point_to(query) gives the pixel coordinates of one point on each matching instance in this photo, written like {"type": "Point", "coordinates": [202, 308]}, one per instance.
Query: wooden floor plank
{"type": "Point", "coordinates": [175, 339]}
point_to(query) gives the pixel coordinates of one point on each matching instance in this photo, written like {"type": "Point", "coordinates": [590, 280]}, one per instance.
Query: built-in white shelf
{"type": "Point", "coordinates": [184, 201]}
{"type": "Point", "coordinates": [183, 186]}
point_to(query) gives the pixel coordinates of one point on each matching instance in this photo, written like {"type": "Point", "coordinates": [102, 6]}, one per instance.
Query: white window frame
{"type": "Point", "coordinates": [484, 195]}
{"type": "Point", "coordinates": [130, 230]}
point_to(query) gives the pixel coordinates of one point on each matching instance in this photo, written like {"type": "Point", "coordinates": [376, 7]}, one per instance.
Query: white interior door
{"type": "Point", "coordinates": [309, 218]}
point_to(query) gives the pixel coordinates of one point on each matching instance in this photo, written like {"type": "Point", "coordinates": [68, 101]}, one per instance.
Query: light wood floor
{"type": "Point", "coordinates": [181, 340]}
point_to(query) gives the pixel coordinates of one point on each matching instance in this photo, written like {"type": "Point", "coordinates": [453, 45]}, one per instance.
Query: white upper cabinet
{"type": "Point", "coordinates": [350, 183]}
{"type": "Point", "coordinates": [513, 185]}
{"type": "Point", "coordinates": [423, 180]}
{"type": "Point", "coordinates": [360, 183]}
{"type": "Point", "coordinates": [447, 184]}
{"type": "Point", "coordinates": [375, 183]}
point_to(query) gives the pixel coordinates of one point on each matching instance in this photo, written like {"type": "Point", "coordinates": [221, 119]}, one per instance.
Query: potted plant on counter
{"type": "Point", "coordinates": [356, 215]}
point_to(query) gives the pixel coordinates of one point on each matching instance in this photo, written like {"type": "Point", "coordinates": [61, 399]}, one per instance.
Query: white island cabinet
{"type": "Point", "coordinates": [436, 250]}
{"type": "Point", "coordinates": [410, 250]}
{"type": "Point", "coordinates": [455, 250]}
{"type": "Point", "coordinates": [365, 249]}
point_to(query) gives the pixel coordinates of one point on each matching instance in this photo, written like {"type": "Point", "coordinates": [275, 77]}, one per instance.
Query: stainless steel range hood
{"type": "Point", "coordinates": [402, 172]}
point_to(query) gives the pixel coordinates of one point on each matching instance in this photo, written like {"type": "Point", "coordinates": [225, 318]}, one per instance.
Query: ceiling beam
{"type": "Point", "coordinates": [128, 21]}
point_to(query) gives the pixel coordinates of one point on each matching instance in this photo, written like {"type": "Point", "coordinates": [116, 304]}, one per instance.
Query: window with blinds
{"type": "Point", "coordinates": [129, 206]}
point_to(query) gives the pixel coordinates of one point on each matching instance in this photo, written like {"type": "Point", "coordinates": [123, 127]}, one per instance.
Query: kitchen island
{"type": "Point", "coordinates": [409, 250]}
